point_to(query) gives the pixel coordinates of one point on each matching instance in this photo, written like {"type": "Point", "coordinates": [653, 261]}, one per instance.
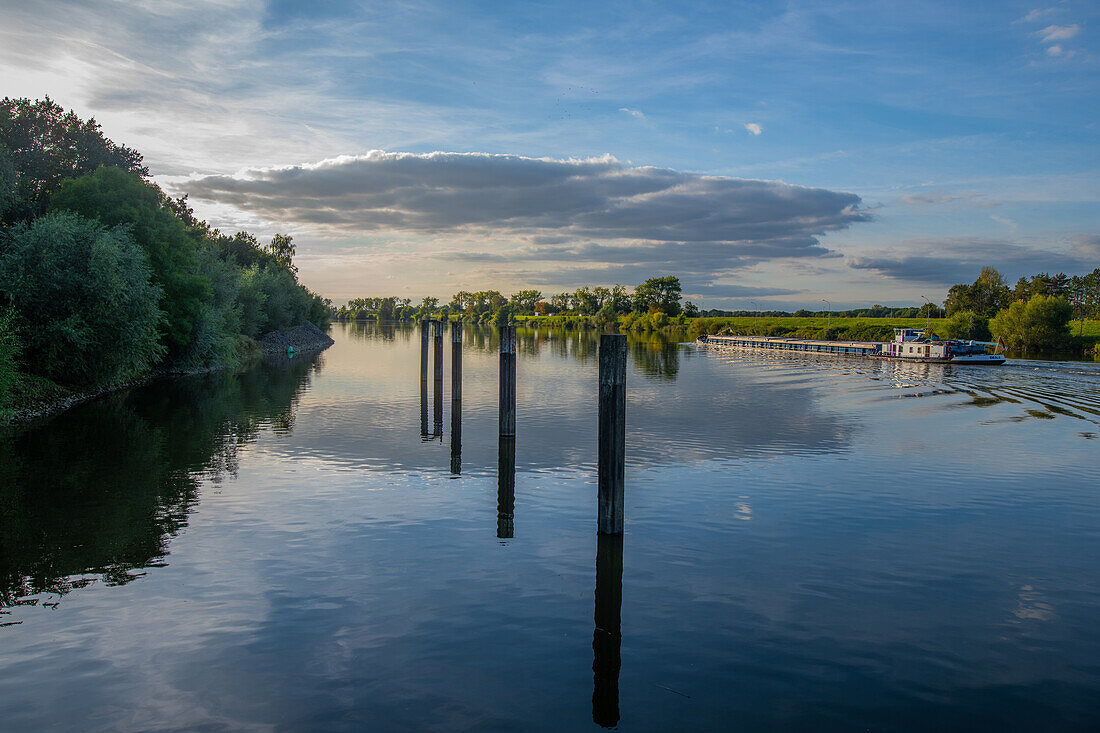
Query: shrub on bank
{"type": "Point", "coordinates": [1040, 324]}
{"type": "Point", "coordinates": [86, 303]}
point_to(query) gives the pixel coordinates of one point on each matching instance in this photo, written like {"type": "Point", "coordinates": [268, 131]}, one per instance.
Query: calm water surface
{"type": "Point", "coordinates": [811, 543]}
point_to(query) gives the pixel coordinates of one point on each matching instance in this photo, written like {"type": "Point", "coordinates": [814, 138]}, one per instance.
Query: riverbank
{"type": "Point", "coordinates": [34, 397]}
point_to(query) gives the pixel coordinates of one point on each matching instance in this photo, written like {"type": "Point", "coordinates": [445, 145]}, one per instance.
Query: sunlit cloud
{"type": "Point", "coordinates": [1058, 32]}
{"type": "Point", "coordinates": [753, 128]}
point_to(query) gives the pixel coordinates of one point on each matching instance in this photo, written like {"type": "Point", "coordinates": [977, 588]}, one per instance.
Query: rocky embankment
{"type": "Point", "coordinates": [306, 340]}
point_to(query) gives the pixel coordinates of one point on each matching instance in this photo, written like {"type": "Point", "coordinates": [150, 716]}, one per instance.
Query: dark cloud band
{"type": "Point", "coordinates": [543, 200]}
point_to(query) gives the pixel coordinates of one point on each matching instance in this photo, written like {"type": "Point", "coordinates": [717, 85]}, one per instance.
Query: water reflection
{"type": "Point", "coordinates": [132, 465]}
{"type": "Point", "coordinates": [607, 638]}
{"type": "Point", "coordinates": [506, 487]}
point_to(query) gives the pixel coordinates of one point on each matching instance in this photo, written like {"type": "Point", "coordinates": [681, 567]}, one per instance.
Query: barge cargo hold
{"type": "Point", "coordinates": [909, 344]}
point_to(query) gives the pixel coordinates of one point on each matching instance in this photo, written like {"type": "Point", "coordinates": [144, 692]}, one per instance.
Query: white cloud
{"type": "Point", "coordinates": [1054, 51]}
{"type": "Point", "coordinates": [1036, 14]}
{"type": "Point", "coordinates": [1059, 32]}
{"type": "Point", "coordinates": [632, 112]}
{"type": "Point", "coordinates": [753, 128]}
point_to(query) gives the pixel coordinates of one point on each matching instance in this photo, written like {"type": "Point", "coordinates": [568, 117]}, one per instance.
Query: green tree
{"type": "Point", "coordinates": [85, 298]}
{"type": "Point", "coordinates": [524, 301]}
{"type": "Point", "coordinates": [114, 196]}
{"type": "Point", "coordinates": [967, 325]}
{"type": "Point", "coordinates": [47, 145]}
{"type": "Point", "coordinates": [282, 250]}
{"type": "Point", "coordinates": [986, 296]}
{"type": "Point", "coordinates": [1040, 324]}
{"type": "Point", "coordinates": [660, 294]}
{"type": "Point", "coordinates": [691, 310]}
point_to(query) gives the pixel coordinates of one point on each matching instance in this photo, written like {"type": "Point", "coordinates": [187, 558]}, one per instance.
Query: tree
{"type": "Point", "coordinates": [691, 310]}
{"type": "Point", "coordinates": [85, 298]}
{"type": "Point", "coordinates": [282, 250]}
{"type": "Point", "coordinates": [620, 299]}
{"type": "Point", "coordinates": [967, 325]}
{"type": "Point", "coordinates": [659, 293]}
{"type": "Point", "coordinates": [113, 197]}
{"type": "Point", "coordinates": [47, 145]}
{"type": "Point", "coordinates": [1040, 324]}
{"type": "Point", "coordinates": [986, 296]}
{"type": "Point", "coordinates": [524, 301]}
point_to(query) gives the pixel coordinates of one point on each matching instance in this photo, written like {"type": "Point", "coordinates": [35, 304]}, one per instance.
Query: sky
{"type": "Point", "coordinates": [770, 154]}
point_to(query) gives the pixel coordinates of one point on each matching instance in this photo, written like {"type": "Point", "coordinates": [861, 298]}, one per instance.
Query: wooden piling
{"type": "Point", "coordinates": [612, 434]}
{"type": "Point", "coordinates": [508, 381]}
{"type": "Point", "coordinates": [506, 487]}
{"type": "Point", "coordinates": [456, 398]}
{"type": "Point", "coordinates": [424, 351]}
{"type": "Point", "coordinates": [607, 638]}
{"type": "Point", "coordinates": [437, 333]}
{"type": "Point", "coordinates": [456, 361]}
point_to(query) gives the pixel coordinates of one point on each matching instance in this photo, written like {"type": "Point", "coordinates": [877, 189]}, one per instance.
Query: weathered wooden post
{"type": "Point", "coordinates": [612, 434]}
{"type": "Point", "coordinates": [506, 487]}
{"type": "Point", "coordinates": [607, 638]}
{"type": "Point", "coordinates": [508, 381]}
{"type": "Point", "coordinates": [456, 361]}
{"type": "Point", "coordinates": [437, 333]}
{"type": "Point", "coordinates": [456, 398]}
{"type": "Point", "coordinates": [424, 351]}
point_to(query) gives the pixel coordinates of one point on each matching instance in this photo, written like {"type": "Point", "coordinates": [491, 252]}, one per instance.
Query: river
{"type": "Point", "coordinates": [811, 543]}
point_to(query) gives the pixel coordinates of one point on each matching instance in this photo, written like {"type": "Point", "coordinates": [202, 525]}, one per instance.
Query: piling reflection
{"type": "Point", "coordinates": [607, 638]}
{"type": "Point", "coordinates": [456, 437]}
{"type": "Point", "coordinates": [424, 434]}
{"type": "Point", "coordinates": [437, 410]}
{"type": "Point", "coordinates": [506, 487]}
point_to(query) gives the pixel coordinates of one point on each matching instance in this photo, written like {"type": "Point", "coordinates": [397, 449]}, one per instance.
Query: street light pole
{"type": "Point", "coordinates": [828, 313]}
{"type": "Point", "coordinates": [755, 313]}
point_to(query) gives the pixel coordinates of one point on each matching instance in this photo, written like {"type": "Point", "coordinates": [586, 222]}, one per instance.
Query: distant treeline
{"type": "Point", "coordinates": [104, 277]}
{"type": "Point", "coordinates": [655, 295]}
{"type": "Point", "coordinates": [1034, 316]}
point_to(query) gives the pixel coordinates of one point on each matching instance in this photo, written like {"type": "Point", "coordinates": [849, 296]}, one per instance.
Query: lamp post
{"type": "Point", "coordinates": [755, 313]}
{"type": "Point", "coordinates": [828, 313]}
{"type": "Point", "coordinates": [927, 312]}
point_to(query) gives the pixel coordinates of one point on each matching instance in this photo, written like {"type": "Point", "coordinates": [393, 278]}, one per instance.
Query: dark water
{"type": "Point", "coordinates": [811, 543]}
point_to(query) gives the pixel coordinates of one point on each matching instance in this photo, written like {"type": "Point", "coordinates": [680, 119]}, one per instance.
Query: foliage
{"type": "Point", "coordinates": [85, 299]}
{"type": "Point", "coordinates": [987, 295]}
{"type": "Point", "coordinates": [47, 145]}
{"type": "Point", "coordinates": [658, 294]}
{"type": "Point", "coordinates": [8, 182]}
{"type": "Point", "coordinates": [114, 196]}
{"type": "Point", "coordinates": [503, 316]}
{"type": "Point", "coordinates": [1040, 324]}
{"type": "Point", "coordinates": [966, 325]}
{"type": "Point", "coordinates": [10, 348]}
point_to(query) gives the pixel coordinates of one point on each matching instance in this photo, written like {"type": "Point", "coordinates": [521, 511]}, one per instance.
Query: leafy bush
{"type": "Point", "coordinates": [114, 196]}
{"type": "Point", "coordinates": [10, 348]}
{"type": "Point", "coordinates": [85, 299]}
{"type": "Point", "coordinates": [1040, 324]}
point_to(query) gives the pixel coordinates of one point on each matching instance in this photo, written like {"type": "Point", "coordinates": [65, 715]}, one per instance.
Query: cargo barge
{"type": "Point", "coordinates": [909, 344]}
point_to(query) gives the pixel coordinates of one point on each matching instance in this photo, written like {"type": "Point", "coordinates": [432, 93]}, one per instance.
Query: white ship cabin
{"type": "Point", "coordinates": [911, 343]}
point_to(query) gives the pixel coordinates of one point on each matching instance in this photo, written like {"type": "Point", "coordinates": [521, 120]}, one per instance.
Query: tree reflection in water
{"type": "Point", "coordinates": [132, 462]}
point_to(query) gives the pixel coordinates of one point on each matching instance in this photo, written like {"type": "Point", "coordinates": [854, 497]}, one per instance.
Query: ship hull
{"type": "Point", "coordinates": [862, 349]}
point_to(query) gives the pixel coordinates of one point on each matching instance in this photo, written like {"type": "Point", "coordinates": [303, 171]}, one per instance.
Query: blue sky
{"type": "Point", "coordinates": [605, 142]}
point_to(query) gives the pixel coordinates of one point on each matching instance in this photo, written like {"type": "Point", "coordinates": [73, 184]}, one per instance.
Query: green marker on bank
{"type": "Point", "coordinates": [290, 352]}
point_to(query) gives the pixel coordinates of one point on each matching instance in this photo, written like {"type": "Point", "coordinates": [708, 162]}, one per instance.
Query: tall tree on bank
{"type": "Point", "coordinates": [46, 144]}
{"type": "Point", "coordinates": [988, 294]}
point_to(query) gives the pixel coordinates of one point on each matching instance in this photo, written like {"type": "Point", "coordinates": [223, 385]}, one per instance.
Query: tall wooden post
{"type": "Point", "coordinates": [424, 351]}
{"type": "Point", "coordinates": [437, 333]}
{"type": "Point", "coordinates": [506, 487]}
{"type": "Point", "coordinates": [612, 433]}
{"type": "Point", "coordinates": [456, 398]}
{"type": "Point", "coordinates": [456, 361]}
{"type": "Point", "coordinates": [508, 381]}
{"type": "Point", "coordinates": [607, 638]}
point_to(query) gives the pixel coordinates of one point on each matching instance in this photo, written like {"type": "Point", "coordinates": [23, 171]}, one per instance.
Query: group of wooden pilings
{"type": "Point", "coordinates": [607, 635]}
{"type": "Point", "coordinates": [611, 440]}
